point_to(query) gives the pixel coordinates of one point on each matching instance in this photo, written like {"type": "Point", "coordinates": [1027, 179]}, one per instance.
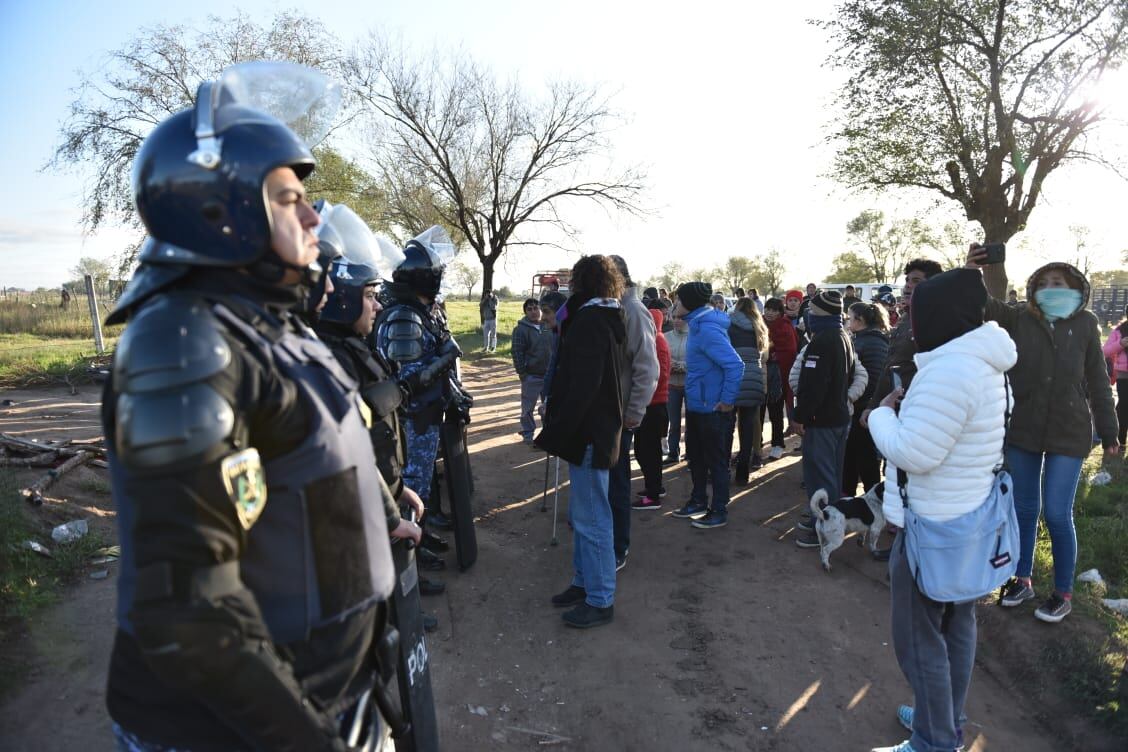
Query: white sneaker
{"type": "Point", "coordinates": [776, 453]}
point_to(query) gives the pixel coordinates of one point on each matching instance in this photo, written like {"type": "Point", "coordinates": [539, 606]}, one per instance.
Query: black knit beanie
{"type": "Point", "coordinates": [947, 306]}
{"type": "Point", "coordinates": [826, 303]}
{"type": "Point", "coordinates": [693, 295]}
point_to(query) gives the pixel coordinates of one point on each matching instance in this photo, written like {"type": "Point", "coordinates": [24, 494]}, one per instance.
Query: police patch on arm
{"type": "Point", "coordinates": [245, 482]}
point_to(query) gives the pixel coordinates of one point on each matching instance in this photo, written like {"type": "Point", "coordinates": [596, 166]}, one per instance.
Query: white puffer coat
{"type": "Point", "coordinates": [948, 436]}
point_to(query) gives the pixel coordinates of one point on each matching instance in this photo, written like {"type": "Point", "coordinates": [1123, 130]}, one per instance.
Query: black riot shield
{"type": "Point", "coordinates": [457, 485]}
{"type": "Point", "coordinates": [413, 669]}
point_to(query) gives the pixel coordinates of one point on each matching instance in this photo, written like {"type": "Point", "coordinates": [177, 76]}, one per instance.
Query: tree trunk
{"type": "Point", "coordinates": [995, 275]}
{"type": "Point", "coordinates": [487, 276]}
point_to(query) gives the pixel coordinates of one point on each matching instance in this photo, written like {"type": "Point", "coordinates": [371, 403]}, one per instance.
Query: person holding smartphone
{"type": "Point", "coordinates": [1061, 390]}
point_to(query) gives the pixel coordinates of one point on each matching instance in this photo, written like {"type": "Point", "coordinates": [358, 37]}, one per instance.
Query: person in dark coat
{"type": "Point", "coordinates": [582, 425]}
{"type": "Point", "coordinates": [1061, 390]}
{"type": "Point", "coordinates": [749, 337]}
{"type": "Point", "coordinates": [870, 326]}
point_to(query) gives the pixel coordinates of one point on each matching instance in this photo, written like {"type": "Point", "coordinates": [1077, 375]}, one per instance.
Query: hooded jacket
{"type": "Point", "coordinates": [1060, 373]}
{"type": "Point", "coordinates": [948, 436]}
{"type": "Point", "coordinates": [585, 405]}
{"type": "Point", "coordinates": [713, 369]}
{"type": "Point", "coordinates": [662, 391]}
{"type": "Point", "coordinates": [531, 348]}
{"type": "Point", "coordinates": [742, 334]}
{"type": "Point", "coordinates": [872, 348]}
{"type": "Point", "coordinates": [640, 377]}
{"type": "Point", "coordinates": [1115, 352]}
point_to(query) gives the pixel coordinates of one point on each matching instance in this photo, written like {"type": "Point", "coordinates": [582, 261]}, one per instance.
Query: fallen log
{"type": "Point", "coordinates": [46, 459]}
{"type": "Point", "coordinates": [34, 492]}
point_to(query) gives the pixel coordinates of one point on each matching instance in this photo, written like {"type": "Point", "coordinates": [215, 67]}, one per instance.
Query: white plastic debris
{"type": "Point", "coordinates": [31, 545]}
{"type": "Point", "coordinates": [100, 574]}
{"type": "Point", "coordinates": [1100, 479]}
{"type": "Point", "coordinates": [477, 710]}
{"type": "Point", "coordinates": [1119, 605]}
{"type": "Point", "coordinates": [69, 532]}
{"type": "Point", "coordinates": [1091, 575]}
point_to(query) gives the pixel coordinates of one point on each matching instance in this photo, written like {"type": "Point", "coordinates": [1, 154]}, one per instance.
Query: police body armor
{"type": "Point", "coordinates": [307, 571]}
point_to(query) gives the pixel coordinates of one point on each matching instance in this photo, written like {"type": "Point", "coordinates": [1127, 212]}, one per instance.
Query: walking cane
{"type": "Point", "coordinates": [544, 496]}
{"type": "Point", "coordinates": [555, 496]}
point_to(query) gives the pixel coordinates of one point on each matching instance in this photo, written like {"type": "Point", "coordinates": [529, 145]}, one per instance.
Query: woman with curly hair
{"type": "Point", "coordinates": [582, 425]}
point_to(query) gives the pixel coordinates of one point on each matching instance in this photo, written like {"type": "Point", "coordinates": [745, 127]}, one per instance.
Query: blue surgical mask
{"type": "Point", "coordinates": [1058, 302]}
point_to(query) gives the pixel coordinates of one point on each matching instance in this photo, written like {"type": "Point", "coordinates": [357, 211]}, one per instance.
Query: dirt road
{"type": "Point", "coordinates": [729, 639]}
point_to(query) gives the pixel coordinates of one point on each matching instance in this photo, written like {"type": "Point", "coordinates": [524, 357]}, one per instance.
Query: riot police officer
{"type": "Point", "coordinates": [255, 551]}
{"type": "Point", "coordinates": [410, 335]}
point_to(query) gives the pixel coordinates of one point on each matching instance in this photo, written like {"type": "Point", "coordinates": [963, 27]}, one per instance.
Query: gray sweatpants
{"type": "Point", "coordinates": [936, 653]}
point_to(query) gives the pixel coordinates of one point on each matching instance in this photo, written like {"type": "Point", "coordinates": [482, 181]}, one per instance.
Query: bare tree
{"type": "Point", "coordinates": [769, 273]}
{"type": "Point", "coordinates": [466, 275]}
{"type": "Point", "coordinates": [737, 271]}
{"type": "Point", "coordinates": [483, 157]}
{"type": "Point", "coordinates": [155, 75]}
{"type": "Point", "coordinates": [975, 100]}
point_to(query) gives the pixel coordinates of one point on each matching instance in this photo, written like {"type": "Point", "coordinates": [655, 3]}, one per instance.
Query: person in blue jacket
{"type": "Point", "coordinates": [713, 373]}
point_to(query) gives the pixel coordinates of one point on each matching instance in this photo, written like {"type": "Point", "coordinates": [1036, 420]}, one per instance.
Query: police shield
{"type": "Point", "coordinates": [458, 487]}
{"type": "Point", "coordinates": [413, 670]}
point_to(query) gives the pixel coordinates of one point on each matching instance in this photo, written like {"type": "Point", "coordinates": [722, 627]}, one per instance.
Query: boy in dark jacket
{"type": "Point", "coordinates": [532, 349]}
{"type": "Point", "coordinates": [822, 414]}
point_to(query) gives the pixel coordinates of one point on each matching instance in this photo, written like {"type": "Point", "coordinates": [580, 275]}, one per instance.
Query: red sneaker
{"type": "Point", "coordinates": [645, 502]}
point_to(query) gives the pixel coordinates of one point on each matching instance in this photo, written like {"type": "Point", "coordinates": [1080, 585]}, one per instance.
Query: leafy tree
{"type": "Point", "coordinates": [886, 245]}
{"type": "Point", "coordinates": [768, 279]}
{"type": "Point", "coordinates": [339, 180]}
{"type": "Point", "coordinates": [737, 271]}
{"type": "Point", "coordinates": [466, 275]}
{"type": "Point", "coordinates": [482, 155]}
{"type": "Point", "coordinates": [850, 267]}
{"type": "Point", "coordinates": [1118, 277]}
{"type": "Point", "coordinates": [671, 275]}
{"type": "Point", "coordinates": [975, 100]}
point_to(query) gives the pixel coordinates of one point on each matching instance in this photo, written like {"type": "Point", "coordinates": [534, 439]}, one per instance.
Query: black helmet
{"type": "Point", "coordinates": [425, 257]}
{"type": "Point", "coordinates": [198, 177]}
{"type": "Point", "coordinates": [365, 259]}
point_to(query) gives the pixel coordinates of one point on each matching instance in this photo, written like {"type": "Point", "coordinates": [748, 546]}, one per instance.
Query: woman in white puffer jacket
{"type": "Point", "coordinates": [948, 438]}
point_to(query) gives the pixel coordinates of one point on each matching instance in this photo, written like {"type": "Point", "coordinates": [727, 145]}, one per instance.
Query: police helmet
{"type": "Point", "coordinates": [366, 259]}
{"type": "Point", "coordinates": [198, 177]}
{"type": "Point", "coordinates": [425, 257]}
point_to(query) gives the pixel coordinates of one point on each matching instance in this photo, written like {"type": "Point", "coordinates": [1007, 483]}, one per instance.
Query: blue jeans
{"type": "Point", "coordinates": [674, 408]}
{"type": "Point", "coordinates": [531, 388]}
{"type": "Point", "coordinates": [1046, 484]}
{"type": "Point", "coordinates": [708, 437]}
{"type": "Point", "coordinates": [935, 647]}
{"type": "Point", "coordinates": [593, 553]}
{"type": "Point", "coordinates": [619, 494]}
{"type": "Point", "coordinates": [489, 334]}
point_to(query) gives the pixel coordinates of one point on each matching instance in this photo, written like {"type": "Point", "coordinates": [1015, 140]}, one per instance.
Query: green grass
{"type": "Point", "coordinates": [463, 319]}
{"type": "Point", "coordinates": [1094, 673]}
{"type": "Point", "coordinates": [43, 317]}
{"type": "Point", "coordinates": [30, 581]}
{"type": "Point", "coordinates": [30, 360]}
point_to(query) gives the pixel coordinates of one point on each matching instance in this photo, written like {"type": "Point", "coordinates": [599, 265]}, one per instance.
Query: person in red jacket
{"type": "Point", "coordinates": [655, 423]}
{"type": "Point", "coordinates": [785, 348]}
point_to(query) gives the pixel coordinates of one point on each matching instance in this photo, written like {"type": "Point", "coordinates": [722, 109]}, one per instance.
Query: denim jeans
{"type": "Point", "coordinates": [824, 451]}
{"type": "Point", "coordinates": [619, 494]}
{"type": "Point", "coordinates": [489, 334]}
{"type": "Point", "coordinates": [708, 437]}
{"type": "Point", "coordinates": [593, 553]}
{"type": "Point", "coordinates": [674, 408]}
{"type": "Point", "coordinates": [531, 388]}
{"type": "Point", "coordinates": [1046, 484]}
{"type": "Point", "coordinates": [935, 647]}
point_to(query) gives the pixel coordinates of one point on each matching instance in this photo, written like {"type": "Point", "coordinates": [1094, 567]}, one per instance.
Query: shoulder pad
{"type": "Point", "coordinates": [403, 334]}
{"type": "Point", "coordinates": [162, 428]}
{"type": "Point", "coordinates": [171, 342]}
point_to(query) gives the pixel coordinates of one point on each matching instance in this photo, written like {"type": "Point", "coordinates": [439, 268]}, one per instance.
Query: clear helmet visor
{"type": "Point", "coordinates": [438, 243]}
{"type": "Point", "coordinates": [301, 98]}
{"type": "Point", "coordinates": [342, 227]}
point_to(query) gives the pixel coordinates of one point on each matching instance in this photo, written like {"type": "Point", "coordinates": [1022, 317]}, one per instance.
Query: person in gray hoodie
{"type": "Point", "coordinates": [637, 382]}
{"type": "Point", "coordinates": [532, 349]}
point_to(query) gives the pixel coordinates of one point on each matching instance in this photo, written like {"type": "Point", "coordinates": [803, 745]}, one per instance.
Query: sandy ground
{"type": "Point", "coordinates": [730, 639]}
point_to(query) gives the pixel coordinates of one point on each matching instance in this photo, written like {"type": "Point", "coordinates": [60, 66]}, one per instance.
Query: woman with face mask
{"type": "Point", "coordinates": [1061, 390]}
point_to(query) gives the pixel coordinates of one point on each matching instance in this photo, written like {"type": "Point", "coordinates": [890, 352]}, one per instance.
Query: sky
{"type": "Point", "coordinates": [727, 105]}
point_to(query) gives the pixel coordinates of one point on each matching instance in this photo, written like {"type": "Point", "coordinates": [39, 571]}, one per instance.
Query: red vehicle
{"type": "Point", "coordinates": [558, 279]}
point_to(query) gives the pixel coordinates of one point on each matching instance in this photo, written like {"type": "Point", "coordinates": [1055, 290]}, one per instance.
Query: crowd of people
{"type": "Point", "coordinates": [923, 401]}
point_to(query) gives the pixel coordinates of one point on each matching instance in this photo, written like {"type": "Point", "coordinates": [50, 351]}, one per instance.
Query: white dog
{"type": "Point", "coordinates": [858, 514]}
